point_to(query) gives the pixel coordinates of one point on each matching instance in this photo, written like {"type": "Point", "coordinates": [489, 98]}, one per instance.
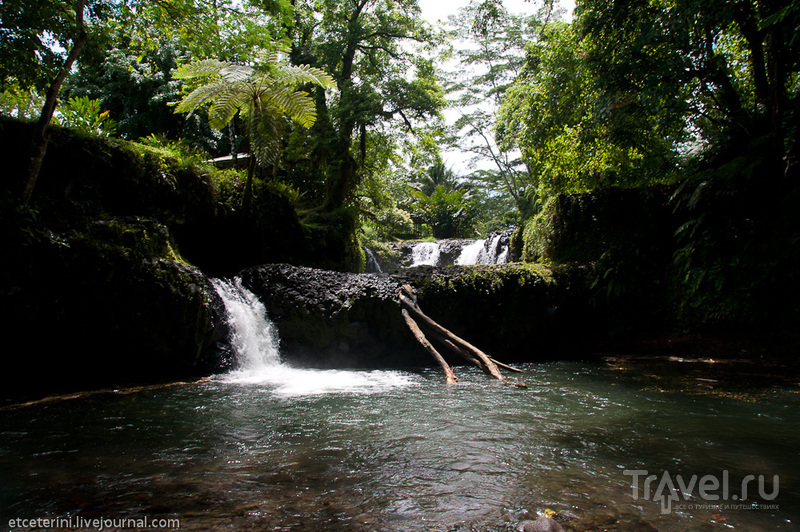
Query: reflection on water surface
{"type": "Point", "coordinates": [399, 450]}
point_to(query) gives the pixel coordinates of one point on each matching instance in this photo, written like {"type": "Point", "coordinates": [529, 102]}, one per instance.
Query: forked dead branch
{"type": "Point", "coordinates": [454, 343]}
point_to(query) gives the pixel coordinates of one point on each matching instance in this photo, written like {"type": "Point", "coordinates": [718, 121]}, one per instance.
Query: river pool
{"type": "Point", "coordinates": [278, 448]}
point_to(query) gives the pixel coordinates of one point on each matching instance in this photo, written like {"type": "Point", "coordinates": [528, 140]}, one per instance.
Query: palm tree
{"type": "Point", "coordinates": [437, 175]}
{"type": "Point", "coordinates": [264, 96]}
{"type": "Point", "coordinates": [443, 202]}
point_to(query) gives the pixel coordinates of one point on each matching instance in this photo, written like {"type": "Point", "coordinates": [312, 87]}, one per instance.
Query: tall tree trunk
{"type": "Point", "coordinates": [247, 198]}
{"type": "Point", "coordinates": [41, 134]}
{"type": "Point", "coordinates": [345, 177]}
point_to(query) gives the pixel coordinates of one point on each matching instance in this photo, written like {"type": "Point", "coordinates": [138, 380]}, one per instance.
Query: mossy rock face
{"type": "Point", "coordinates": [334, 319]}
{"type": "Point", "coordinates": [84, 176]}
{"type": "Point", "coordinates": [583, 227]}
{"type": "Point", "coordinates": [624, 239]}
{"type": "Point", "coordinates": [519, 312]}
{"type": "Point", "coordinates": [109, 306]}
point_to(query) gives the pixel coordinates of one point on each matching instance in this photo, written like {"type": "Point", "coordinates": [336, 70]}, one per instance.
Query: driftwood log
{"type": "Point", "coordinates": [420, 336]}
{"type": "Point", "coordinates": [413, 314]}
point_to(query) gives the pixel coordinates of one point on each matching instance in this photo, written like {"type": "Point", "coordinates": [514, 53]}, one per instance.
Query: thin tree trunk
{"type": "Point", "coordinates": [420, 336]}
{"type": "Point", "coordinates": [247, 198]}
{"type": "Point", "coordinates": [41, 134]}
{"type": "Point", "coordinates": [491, 366]}
{"type": "Point", "coordinates": [460, 351]}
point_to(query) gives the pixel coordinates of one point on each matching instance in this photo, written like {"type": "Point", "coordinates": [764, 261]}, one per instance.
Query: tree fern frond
{"type": "Point", "coordinates": [275, 55]}
{"type": "Point", "coordinates": [266, 127]}
{"type": "Point", "coordinates": [297, 105]}
{"type": "Point", "coordinates": [200, 69]}
{"type": "Point", "coordinates": [202, 95]}
{"type": "Point", "coordinates": [299, 75]}
{"type": "Point", "coordinates": [225, 107]}
{"type": "Point", "coordinates": [236, 73]}
{"type": "Point", "coordinates": [264, 97]}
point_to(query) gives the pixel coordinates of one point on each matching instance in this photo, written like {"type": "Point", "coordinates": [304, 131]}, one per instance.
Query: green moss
{"type": "Point", "coordinates": [538, 233]}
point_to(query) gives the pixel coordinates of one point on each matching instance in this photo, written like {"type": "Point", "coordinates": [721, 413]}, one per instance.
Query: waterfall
{"type": "Point", "coordinates": [461, 252]}
{"type": "Point", "coordinates": [253, 336]}
{"type": "Point", "coordinates": [496, 251]}
{"type": "Point", "coordinates": [254, 340]}
{"type": "Point", "coordinates": [492, 250]}
{"type": "Point", "coordinates": [425, 254]}
{"type": "Point", "coordinates": [372, 265]}
{"type": "Point", "coordinates": [471, 253]}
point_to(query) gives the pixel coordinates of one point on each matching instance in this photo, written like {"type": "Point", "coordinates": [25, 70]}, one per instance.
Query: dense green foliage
{"type": "Point", "coordinates": [491, 52]}
{"type": "Point", "coordinates": [701, 96]}
{"type": "Point", "coordinates": [555, 114]}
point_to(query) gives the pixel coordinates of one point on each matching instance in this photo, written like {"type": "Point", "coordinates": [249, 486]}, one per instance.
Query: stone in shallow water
{"type": "Point", "coordinates": [543, 524]}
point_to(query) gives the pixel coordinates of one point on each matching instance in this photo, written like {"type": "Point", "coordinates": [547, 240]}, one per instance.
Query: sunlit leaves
{"type": "Point", "coordinates": [450, 213]}
{"type": "Point", "coordinates": [263, 96]}
{"type": "Point", "coordinates": [574, 135]}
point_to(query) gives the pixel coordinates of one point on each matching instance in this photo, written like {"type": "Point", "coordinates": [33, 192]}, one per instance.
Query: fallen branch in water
{"type": "Point", "coordinates": [420, 336]}
{"type": "Point", "coordinates": [506, 366]}
{"type": "Point", "coordinates": [456, 344]}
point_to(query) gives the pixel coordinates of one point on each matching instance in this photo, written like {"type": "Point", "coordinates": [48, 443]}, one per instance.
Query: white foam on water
{"type": "Point", "coordinates": [292, 382]}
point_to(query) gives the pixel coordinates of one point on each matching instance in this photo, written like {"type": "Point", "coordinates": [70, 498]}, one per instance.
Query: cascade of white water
{"type": "Point", "coordinates": [254, 339]}
{"type": "Point", "coordinates": [425, 254]}
{"type": "Point", "coordinates": [495, 252]}
{"type": "Point", "coordinates": [253, 336]}
{"type": "Point", "coordinates": [372, 265]}
{"type": "Point", "coordinates": [471, 253]}
{"type": "Point", "coordinates": [487, 251]}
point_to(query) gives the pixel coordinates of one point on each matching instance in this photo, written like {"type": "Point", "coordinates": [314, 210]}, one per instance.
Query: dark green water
{"type": "Point", "coordinates": [317, 450]}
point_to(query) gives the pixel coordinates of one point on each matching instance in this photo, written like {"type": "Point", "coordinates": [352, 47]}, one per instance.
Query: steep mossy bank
{"type": "Point", "coordinates": [104, 275]}
{"type": "Point", "coordinates": [85, 178]}
{"type": "Point", "coordinates": [111, 305]}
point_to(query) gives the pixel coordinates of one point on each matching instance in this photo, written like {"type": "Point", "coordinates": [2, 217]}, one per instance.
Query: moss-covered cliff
{"type": "Point", "coordinates": [100, 283]}
{"type": "Point", "coordinates": [679, 261]}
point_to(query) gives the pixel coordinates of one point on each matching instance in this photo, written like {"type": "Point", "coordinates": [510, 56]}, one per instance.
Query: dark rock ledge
{"type": "Point", "coordinates": [333, 319]}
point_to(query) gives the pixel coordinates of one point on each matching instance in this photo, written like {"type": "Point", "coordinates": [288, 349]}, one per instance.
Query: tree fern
{"type": "Point", "coordinates": [265, 96]}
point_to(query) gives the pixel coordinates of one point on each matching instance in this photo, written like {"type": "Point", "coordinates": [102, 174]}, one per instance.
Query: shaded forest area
{"type": "Point", "coordinates": [654, 141]}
